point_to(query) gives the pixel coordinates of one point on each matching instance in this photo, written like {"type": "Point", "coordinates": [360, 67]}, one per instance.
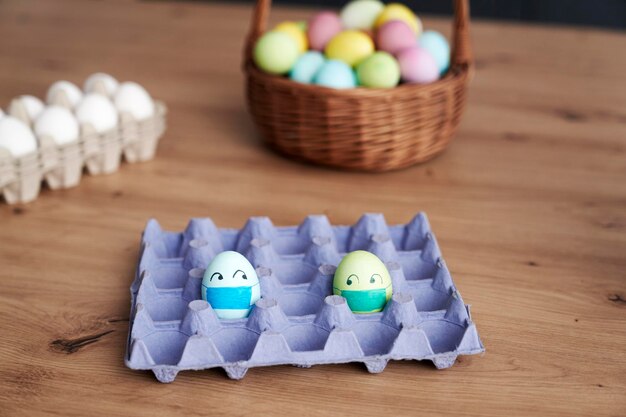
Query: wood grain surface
{"type": "Point", "coordinates": [528, 204]}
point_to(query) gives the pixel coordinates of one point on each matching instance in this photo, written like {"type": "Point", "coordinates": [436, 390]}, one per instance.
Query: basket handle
{"type": "Point", "coordinates": [461, 49]}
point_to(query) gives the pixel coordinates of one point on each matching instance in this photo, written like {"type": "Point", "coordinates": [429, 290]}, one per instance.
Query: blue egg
{"type": "Point", "coordinates": [435, 43]}
{"type": "Point", "coordinates": [335, 74]}
{"type": "Point", "coordinates": [306, 67]}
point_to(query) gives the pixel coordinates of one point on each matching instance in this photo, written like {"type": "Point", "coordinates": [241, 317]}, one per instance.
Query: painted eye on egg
{"type": "Point", "coordinates": [349, 281]}
{"type": "Point", "coordinates": [240, 274]}
{"type": "Point", "coordinates": [375, 277]}
{"type": "Point", "coordinates": [216, 275]}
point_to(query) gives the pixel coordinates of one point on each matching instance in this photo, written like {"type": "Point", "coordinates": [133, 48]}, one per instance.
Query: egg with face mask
{"type": "Point", "coordinates": [363, 280]}
{"type": "Point", "coordinates": [231, 285]}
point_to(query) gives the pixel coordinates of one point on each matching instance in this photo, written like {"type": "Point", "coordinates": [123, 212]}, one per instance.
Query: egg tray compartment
{"type": "Point", "coordinates": [297, 321]}
{"type": "Point", "coordinates": [62, 166]}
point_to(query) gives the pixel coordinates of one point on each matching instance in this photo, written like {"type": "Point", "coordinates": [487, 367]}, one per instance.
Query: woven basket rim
{"type": "Point", "coordinates": [457, 73]}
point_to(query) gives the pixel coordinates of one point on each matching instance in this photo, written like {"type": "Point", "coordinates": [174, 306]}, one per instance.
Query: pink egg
{"type": "Point", "coordinates": [395, 36]}
{"type": "Point", "coordinates": [322, 28]}
{"type": "Point", "coordinates": [417, 65]}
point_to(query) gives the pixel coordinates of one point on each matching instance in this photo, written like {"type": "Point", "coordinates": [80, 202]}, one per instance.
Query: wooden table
{"type": "Point", "coordinates": [528, 204]}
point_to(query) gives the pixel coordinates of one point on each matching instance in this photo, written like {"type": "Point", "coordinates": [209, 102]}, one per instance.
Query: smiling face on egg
{"type": "Point", "coordinates": [231, 285]}
{"type": "Point", "coordinates": [363, 280]}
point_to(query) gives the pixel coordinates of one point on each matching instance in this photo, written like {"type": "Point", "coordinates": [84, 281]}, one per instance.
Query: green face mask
{"type": "Point", "coordinates": [365, 301]}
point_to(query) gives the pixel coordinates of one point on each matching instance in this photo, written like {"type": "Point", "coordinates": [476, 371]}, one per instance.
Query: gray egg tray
{"type": "Point", "coordinates": [297, 321]}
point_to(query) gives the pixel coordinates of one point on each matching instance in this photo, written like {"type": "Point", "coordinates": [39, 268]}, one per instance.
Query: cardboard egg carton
{"type": "Point", "coordinates": [298, 321]}
{"type": "Point", "coordinates": [62, 166]}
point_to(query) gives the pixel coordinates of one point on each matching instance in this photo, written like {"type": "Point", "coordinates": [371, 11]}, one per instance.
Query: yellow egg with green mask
{"type": "Point", "coordinates": [363, 280]}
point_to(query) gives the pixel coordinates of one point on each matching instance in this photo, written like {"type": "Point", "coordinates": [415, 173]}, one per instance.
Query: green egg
{"type": "Point", "coordinates": [379, 70]}
{"type": "Point", "coordinates": [275, 52]}
{"type": "Point", "coordinates": [363, 280]}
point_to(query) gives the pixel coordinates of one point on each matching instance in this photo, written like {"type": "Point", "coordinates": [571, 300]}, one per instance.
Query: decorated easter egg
{"type": "Point", "coordinates": [350, 46]}
{"type": "Point", "coordinates": [58, 123]}
{"type": "Point", "coordinates": [98, 111]}
{"type": "Point", "coordinates": [296, 33]}
{"type": "Point", "coordinates": [132, 98]}
{"type": "Point", "coordinates": [276, 52]}
{"type": "Point", "coordinates": [322, 28]}
{"type": "Point", "coordinates": [230, 284]}
{"type": "Point", "coordinates": [435, 43]}
{"type": "Point", "coordinates": [335, 74]}
{"type": "Point", "coordinates": [32, 105]}
{"type": "Point", "coordinates": [417, 65]}
{"type": "Point", "coordinates": [64, 90]}
{"type": "Point", "coordinates": [363, 280]}
{"type": "Point", "coordinates": [101, 83]}
{"type": "Point", "coordinates": [361, 14]}
{"type": "Point", "coordinates": [379, 70]}
{"type": "Point", "coordinates": [397, 11]}
{"type": "Point", "coordinates": [395, 36]}
{"type": "Point", "coordinates": [306, 67]}
{"type": "Point", "coordinates": [16, 137]}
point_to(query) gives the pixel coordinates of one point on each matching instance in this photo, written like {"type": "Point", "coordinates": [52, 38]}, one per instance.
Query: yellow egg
{"type": "Point", "coordinates": [363, 280]}
{"type": "Point", "coordinates": [350, 46]}
{"type": "Point", "coordinates": [397, 11]}
{"type": "Point", "coordinates": [296, 32]}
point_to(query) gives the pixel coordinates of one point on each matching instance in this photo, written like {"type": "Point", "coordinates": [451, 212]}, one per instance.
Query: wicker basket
{"type": "Point", "coordinates": [362, 128]}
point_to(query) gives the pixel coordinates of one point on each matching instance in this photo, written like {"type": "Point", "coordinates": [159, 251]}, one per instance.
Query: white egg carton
{"type": "Point", "coordinates": [61, 166]}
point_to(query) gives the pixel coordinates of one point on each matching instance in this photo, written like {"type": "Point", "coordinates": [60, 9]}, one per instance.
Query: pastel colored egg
{"type": "Point", "coordinates": [417, 65]}
{"type": "Point", "coordinates": [397, 11]}
{"type": "Point", "coordinates": [64, 90]}
{"type": "Point", "coordinates": [322, 28]}
{"type": "Point", "coordinates": [380, 70]}
{"type": "Point", "coordinates": [230, 285]}
{"type": "Point", "coordinates": [363, 280]}
{"type": "Point", "coordinates": [395, 36]}
{"type": "Point", "coordinates": [16, 137]}
{"type": "Point", "coordinates": [133, 99]}
{"type": "Point", "coordinates": [335, 74]}
{"type": "Point", "coordinates": [350, 46]}
{"type": "Point", "coordinates": [275, 52]}
{"type": "Point", "coordinates": [361, 14]}
{"type": "Point", "coordinates": [58, 123]}
{"type": "Point", "coordinates": [296, 33]}
{"type": "Point", "coordinates": [101, 83]}
{"type": "Point", "coordinates": [307, 65]}
{"type": "Point", "coordinates": [98, 111]}
{"type": "Point", "coordinates": [435, 43]}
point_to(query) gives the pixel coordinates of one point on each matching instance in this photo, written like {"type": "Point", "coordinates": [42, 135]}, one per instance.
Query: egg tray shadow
{"type": "Point", "coordinates": [62, 166]}
{"type": "Point", "coordinates": [297, 321]}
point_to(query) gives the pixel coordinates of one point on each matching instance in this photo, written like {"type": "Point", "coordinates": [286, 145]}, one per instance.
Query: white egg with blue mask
{"type": "Point", "coordinates": [230, 285]}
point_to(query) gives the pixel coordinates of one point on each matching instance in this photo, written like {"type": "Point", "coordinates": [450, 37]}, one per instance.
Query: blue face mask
{"type": "Point", "coordinates": [228, 298]}
{"type": "Point", "coordinates": [365, 301]}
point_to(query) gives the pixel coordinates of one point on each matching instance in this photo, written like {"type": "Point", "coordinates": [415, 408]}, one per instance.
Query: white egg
{"type": "Point", "coordinates": [110, 84]}
{"type": "Point", "coordinates": [58, 123]}
{"type": "Point", "coordinates": [361, 14]}
{"type": "Point", "coordinates": [98, 111]}
{"type": "Point", "coordinates": [72, 92]}
{"type": "Point", "coordinates": [134, 99]}
{"type": "Point", "coordinates": [16, 136]}
{"type": "Point", "coordinates": [32, 105]}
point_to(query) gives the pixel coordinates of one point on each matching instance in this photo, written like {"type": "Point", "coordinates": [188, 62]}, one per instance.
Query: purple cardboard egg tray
{"type": "Point", "coordinates": [298, 321]}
